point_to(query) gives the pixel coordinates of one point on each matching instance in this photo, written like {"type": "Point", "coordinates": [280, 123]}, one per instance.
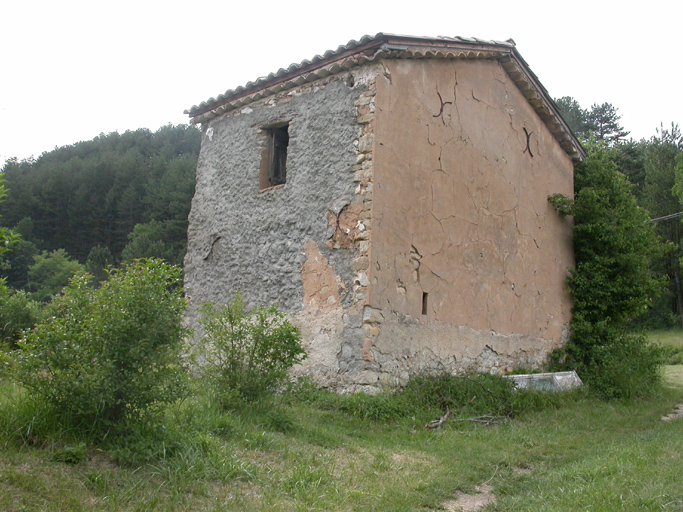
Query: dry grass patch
{"type": "Point", "coordinates": [673, 375]}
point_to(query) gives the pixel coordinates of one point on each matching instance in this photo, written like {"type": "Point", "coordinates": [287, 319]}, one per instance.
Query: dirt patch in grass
{"type": "Point", "coordinates": [523, 469]}
{"type": "Point", "coordinates": [463, 502]}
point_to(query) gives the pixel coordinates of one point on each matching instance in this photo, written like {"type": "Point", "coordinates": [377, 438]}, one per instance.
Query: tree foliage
{"type": "Point", "coordinates": [153, 240]}
{"type": "Point", "coordinates": [575, 116]}
{"type": "Point", "coordinates": [613, 281]}
{"type": "Point", "coordinates": [104, 358]}
{"type": "Point", "coordinates": [99, 261]}
{"type": "Point", "coordinates": [601, 121]}
{"type": "Point", "coordinates": [50, 273]}
{"type": "Point", "coordinates": [7, 237]}
{"type": "Point", "coordinates": [18, 312]}
{"type": "Point", "coordinates": [95, 192]}
{"type": "Point", "coordinates": [660, 199]}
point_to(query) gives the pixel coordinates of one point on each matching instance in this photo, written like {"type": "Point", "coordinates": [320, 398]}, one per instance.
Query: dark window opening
{"type": "Point", "coordinates": [274, 157]}
{"type": "Point", "coordinates": [424, 303]}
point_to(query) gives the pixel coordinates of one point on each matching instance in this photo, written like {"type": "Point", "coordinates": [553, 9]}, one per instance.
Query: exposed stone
{"type": "Point", "coordinates": [371, 330]}
{"type": "Point", "coordinates": [360, 263]}
{"type": "Point", "coordinates": [372, 315]}
{"type": "Point", "coordinates": [367, 377]}
{"type": "Point", "coordinates": [365, 143]}
{"type": "Point", "coordinates": [407, 237]}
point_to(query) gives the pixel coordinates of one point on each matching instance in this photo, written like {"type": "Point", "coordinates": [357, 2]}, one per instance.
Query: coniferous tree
{"type": "Point", "coordinates": [603, 122]}
{"type": "Point", "coordinates": [95, 192]}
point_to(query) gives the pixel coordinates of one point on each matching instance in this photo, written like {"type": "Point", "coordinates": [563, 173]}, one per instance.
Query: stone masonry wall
{"type": "Point", "coordinates": [303, 245]}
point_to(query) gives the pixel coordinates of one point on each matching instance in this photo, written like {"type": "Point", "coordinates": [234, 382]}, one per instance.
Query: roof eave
{"type": "Point", "coordinates": [381, 46]}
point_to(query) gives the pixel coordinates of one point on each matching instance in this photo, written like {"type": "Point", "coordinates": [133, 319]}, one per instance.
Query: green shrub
{"type": "Point", "coordinates": [50, 273]}
{"type": "Point", "coordinates": [70, 454]}
{"type": "Point", "coordinates": [17, 313]}
{"type": "Point", "coordinates": [248, 351]}
{"type": "Point", "coordinates": [626, 367]}
{"type": "Point", "coordinates": [111, 356]}
{"type": "Point", "coordinates": [386, 406]}
{"type": "Point", "coordinates": [429, 395]}
{"type": "Point", "coordinates": [672, 355]}
{"type": "Point", "coordinates": [612, 282]}
{"type": "Point", "coordinates": [279, 421]}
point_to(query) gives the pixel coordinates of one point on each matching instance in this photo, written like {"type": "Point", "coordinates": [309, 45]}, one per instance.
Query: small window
{"type": "Point", "coordinates": [274, 157]}
{"type": "Point", "coordinates": [424, 303]}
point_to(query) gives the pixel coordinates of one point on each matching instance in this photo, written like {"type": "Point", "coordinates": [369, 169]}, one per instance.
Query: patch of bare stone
{"type": "Point", "coordinates": [482, 497]}
{"type": "Point", "coordinates": [676, 415]}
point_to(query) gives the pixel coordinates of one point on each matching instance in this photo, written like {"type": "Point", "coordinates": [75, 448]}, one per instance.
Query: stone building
{"type": "Point", "coordinates": [391, 197]}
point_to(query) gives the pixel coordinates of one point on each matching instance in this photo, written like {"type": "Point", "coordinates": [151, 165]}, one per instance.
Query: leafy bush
{"type": "Point", "coordinates": [626, 367]}
{"type": "Point", "coordinates": [613, 281]}
{"type": "Point", "coordinates": [110, 356]}
{"type": "Point", "coordinates": [70, 454]}
{"type": "Point", "coordinates": [429, 395]}
{"type": "Point", "coordinates": [50, 273]}
{"type": "Point", "coordinates": [17, 313]}
{"type": "Point", "coordinates": [248, 351]}
{"type": "Point", "coordinates": [383, 407]}
{"type": "Point", "coordinates": [671, 355]}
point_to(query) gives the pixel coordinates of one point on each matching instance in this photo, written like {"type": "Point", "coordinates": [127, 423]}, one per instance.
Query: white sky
{"type": "Point", "coordinates": [70, 70]}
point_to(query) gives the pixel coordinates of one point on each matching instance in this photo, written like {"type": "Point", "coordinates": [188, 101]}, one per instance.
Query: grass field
{"type": "Point", "coordinates": [303, 454]}
{"type": "Point", "coordinates": [671, 341]}
{"type": "Point", "coordinates": [669, 337]}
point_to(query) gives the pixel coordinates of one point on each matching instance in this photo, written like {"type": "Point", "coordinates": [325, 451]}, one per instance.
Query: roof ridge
{"type": "Point", "coordinates": [370, 48]}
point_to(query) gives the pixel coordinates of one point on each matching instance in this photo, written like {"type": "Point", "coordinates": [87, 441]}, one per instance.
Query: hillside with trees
{"type": "Point", "coordinates": [96, 203]}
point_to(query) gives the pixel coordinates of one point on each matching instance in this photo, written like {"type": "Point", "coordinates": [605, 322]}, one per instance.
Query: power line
{"type": "Point", "coordinates": [667, 217]}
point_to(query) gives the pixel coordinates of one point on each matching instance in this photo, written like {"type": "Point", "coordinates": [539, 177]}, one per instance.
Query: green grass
{"type": "Point", "coordinates": [668, 337]}
{"type": "Point", "coordinates": [673, 375]}
{"type": "Point", "coordinates": [671, 341]}
{"type": "Point", "coordinates": [318, 451]}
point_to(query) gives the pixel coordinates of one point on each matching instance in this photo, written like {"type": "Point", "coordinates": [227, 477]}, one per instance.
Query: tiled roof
{"type": "Point", "coordinates": [388, 46]}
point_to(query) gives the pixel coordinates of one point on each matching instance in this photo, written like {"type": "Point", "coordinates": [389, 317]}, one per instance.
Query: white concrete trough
{"type": "Point", "coordinates": [557, 381]}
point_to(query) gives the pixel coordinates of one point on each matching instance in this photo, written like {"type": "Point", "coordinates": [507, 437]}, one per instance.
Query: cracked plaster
{"type": "Point", "coordinates": [404, 178]}
{"type": "Point", "coordinates": [473, 203]}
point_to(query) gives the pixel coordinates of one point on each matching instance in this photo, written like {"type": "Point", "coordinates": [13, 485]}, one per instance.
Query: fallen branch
{"type": "Point", "coordinates": [486, 420]}
{"type": "Point", "coordinates": [438, 423]}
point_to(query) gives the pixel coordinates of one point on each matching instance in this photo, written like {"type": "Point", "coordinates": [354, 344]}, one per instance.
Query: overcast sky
{"type": "Point", "coordinates": [70, 70]}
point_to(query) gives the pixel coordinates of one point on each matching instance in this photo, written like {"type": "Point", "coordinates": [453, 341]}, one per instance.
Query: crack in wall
{"type": "Point", "coordinates": [443, 103]}
{"type": "Point", "coordinates": [475, 267]}
{"type": "Point", "coordinates": [528, 138]}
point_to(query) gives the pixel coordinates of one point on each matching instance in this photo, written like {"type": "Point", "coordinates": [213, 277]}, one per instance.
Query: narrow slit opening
{"type": "Point", "coordinates": [424, 303]}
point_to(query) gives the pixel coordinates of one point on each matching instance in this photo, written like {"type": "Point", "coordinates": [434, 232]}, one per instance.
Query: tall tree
{"type": "Point", "coordinates": [575, 116]}
{"type": "Point", "coordinates": [603, 122]}
{"type": "Point", "coordinates": [659, 198]}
